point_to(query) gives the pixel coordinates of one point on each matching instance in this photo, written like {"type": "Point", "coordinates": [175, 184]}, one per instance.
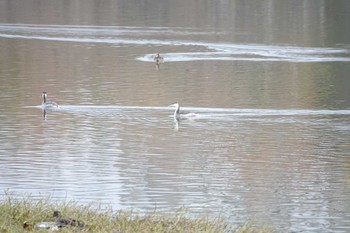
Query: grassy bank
{"type": "Point", "coordinates": [14, 213]}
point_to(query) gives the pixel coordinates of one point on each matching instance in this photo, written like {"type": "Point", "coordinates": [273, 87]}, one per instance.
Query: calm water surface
{"type": "Point", "coordinates": [268, 81]}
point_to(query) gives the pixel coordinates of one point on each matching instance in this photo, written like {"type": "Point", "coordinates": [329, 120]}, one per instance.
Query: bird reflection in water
{"type": "Point", "coordinates": [46, 113]}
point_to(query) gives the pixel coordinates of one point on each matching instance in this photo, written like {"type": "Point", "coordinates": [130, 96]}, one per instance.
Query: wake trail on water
{"type": "Point", "coordinates": [214, 112]}
{"type": "Point", "coordinates": [147, 37]}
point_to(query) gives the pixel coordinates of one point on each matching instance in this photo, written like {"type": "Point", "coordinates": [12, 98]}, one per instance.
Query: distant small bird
{"type": "Point", "coordinates": [27, 225]}
{"type": "Point", "coordinates": [158, 59]}
{"type": "Point", "coordinates": [48, 104]}
{"type": "Point", "coordinates": [66, 221]}
{"type": "Point", "coordinates": [182, 115]}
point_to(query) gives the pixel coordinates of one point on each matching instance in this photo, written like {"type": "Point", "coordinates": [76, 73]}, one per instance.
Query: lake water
{"type": "Point", "coordinates": [268, 81]}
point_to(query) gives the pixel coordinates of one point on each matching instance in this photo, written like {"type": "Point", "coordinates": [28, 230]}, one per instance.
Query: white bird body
{"type": "Point", "coordinates": [48, 104]}
{"type": "Point", "coordinates": [181, 115]}
{"type": "Point", "coordinates": [53, 226]}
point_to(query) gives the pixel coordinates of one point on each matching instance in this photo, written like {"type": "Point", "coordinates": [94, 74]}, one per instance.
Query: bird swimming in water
{"type": "Point", "coordinates": [181, 115]}
{"type": "Point", "coordinates": [48, 104]}
{"type": "Point", "coordinates": [158, 59]}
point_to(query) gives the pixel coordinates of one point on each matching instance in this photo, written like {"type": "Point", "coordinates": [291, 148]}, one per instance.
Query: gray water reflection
{"type": "Point", "coordinates": [236, 162]}
{"type": "Point", "coordinates": [216, 51]}
{"type": "Point", "coordinates": [268, 82]}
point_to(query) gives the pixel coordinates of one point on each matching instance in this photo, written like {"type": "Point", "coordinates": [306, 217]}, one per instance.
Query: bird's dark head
{"type": "Point", "coordinates": [56, 214]}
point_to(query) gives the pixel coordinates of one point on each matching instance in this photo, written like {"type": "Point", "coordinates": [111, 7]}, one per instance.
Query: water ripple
{"type": "Point", "coordinates": [215, 51]}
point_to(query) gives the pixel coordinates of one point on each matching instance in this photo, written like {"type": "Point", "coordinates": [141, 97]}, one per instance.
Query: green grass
{"type": "Point", "coordinates": [13, 213]}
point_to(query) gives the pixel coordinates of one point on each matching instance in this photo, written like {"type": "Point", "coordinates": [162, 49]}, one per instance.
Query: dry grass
{"type": "Point", "coordinates": [13, 213]}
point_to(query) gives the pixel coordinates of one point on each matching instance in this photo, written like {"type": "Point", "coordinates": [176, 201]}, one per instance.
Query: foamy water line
{"type": "Point", "coordinates": [222, 111]}
{"type": "Point", "coordinates": [215, 51]}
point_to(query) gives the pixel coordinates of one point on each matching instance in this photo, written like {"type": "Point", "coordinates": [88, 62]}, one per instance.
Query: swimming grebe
{"type": "Point", "coordinates": [158, 59]}
{"type": "Point", "coordinates": [48, 104]}
{"type": "Point", "coordinates": [181, 115]}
